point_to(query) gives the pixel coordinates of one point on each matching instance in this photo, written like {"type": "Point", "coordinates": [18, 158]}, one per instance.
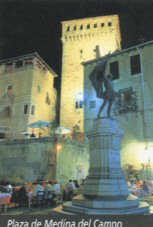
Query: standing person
{"type": "Point", "coordinates": [9, 187]}
{"type": "Point", "coordinates": [145, 188]}
{"type": "Point", "coordinates": [69, 189]}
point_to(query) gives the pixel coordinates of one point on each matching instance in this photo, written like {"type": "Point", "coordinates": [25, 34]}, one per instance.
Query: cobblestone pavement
{"type": "Point", "coordinates": [49, 211]}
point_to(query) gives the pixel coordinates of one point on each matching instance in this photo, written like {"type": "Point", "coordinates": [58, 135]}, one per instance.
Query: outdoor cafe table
{"type": "Point", "coordinates": [5, 199]}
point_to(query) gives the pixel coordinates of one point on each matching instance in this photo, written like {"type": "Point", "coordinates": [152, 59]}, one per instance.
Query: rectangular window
{"type": "Point", "coordinates": [88, 26]}
{"type": "Point", "coordinates": [95, 25]}
{"type": "Point", "coordinates": [19, 64]}
{"type": "Point", "coordinates": [92, 104]}
{"type": "Point", "coordinates": [10, 90]}
{"type": "Point", "coordinates": [114, 69]}
{"type": "Point", "coordinates": [68, 28]}
{"type": "Point", "coordinates": [9, 67]}
{"type": "Point", "coordinates": [135, 64]}
{"type": "Point", "coordinates": [25, 109]}
{"type": "Point", "coordinates": [32, 110]}
{"type": "Point", "coordinates": [9, 87]}
{"type": "Point", "coordinates": [29, 62]}
{"type": "Point", "coordinates": [81, 27]}
{"type": "Point", "coordinates": [79, 104]}
{"type": "Point", "coordinates": [2, 135]}
{"type": "Point", "coordinates": [38, 88]}
{"type": "Point", "coordinates": [109, 23]}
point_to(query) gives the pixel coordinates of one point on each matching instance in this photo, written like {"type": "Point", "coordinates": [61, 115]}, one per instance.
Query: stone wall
{"type": "Point", "coordinates": [32, 159]}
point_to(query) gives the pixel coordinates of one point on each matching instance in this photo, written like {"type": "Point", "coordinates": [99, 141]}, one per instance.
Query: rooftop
{"type": "Point", "coordinates": [27, 56]}
{"type": "Point", "coordinates": [136, 47]}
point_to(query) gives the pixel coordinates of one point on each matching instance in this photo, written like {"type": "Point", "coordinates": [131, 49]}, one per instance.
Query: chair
{"type": "Point", "coordinates": [59, 198]}
{"type": "Point", "coordinates": [40, 197]}
{"type": "Point", "coordinates": [49, 197]}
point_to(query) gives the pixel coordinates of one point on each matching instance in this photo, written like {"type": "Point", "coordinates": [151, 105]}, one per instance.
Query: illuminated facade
{"type": "Point", "coordinates": [26, 93]}
{"type": "Point", "coordinates": [132, 70]}
{"type": "Point", "coordinates": [83, 39]}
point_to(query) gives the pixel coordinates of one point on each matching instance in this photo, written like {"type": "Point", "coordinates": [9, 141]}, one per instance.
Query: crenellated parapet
{"type": "Point", "coordinates": [89, 28]}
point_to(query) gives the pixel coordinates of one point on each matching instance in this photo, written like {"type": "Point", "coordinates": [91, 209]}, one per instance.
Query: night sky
{"type": "Point", "coordinates": [29, 26]}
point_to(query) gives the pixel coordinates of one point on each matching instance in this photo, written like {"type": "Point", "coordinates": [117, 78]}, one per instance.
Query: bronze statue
{"type": "Point", "coordinates": [98, 79]}
{"type": "Point", "coordinates": [108, 95]}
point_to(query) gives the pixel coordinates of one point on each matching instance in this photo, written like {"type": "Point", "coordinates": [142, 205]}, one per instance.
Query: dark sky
{"type": "Point", "coordinates": [29, 26]}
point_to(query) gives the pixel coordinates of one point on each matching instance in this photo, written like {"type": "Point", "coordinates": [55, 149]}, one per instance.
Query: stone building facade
{"type": "Point", "coordinates": [27, 93]}
{"type": "Point", "coordinates": [42, 158]}
{"type": "Point", "coordinates": [132, 71]}
{"type": "Point", "coordinates": [83, 40]}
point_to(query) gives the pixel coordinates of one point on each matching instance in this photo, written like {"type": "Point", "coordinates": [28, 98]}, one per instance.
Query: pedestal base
{"type": "Point", "coordinates": [82, 205]}
{"type": "Point", "coordinates": [105, 191]}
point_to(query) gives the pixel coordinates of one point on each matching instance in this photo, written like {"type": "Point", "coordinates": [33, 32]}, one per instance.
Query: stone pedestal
{"type": "Point", "coordinates": [105, 191]}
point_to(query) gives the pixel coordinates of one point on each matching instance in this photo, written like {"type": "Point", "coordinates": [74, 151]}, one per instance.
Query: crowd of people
{"type": "Point", "coordinates": [140, 188]}
{"type": "Point", "coordinates": [47, 192]}
{"type": "Point", "coordinates": [51, 191]}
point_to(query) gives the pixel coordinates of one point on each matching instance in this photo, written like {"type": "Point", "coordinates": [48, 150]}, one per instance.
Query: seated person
{"type": "Point", "coordinates": [38, 188]}
{"type": "Point", "coordinates": [56, 188]}
{"type": "Point", "coordinates": [69, 189]}
{"type": "Point", "coordinates": [48, 188]}
{"type": "Point", "coordinates": [22, 196]}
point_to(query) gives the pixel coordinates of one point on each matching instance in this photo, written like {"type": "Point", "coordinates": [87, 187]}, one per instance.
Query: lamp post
{"type": "Point", "coordinates": [57, 148]}
{"type": "Point", "coordinates": [146, 163]}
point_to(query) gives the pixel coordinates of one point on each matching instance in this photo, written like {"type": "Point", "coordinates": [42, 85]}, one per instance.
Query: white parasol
{"type": "Point", "coordinates": [62, 130]}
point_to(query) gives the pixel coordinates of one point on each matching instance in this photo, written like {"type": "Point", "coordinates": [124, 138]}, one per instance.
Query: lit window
{"type": "Point", "coordinates": [32, 110]}
{"type": "Point", "coordinates": [92, 104]}
{"type": "Point", "coordinates": [25, 108]}
{"type": "Point", "coordinates": [135, 64]}
{"type": "Point", "coordinates": [114, 69]}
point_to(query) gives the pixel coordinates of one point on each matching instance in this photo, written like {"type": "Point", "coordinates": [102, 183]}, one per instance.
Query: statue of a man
{"type": "Point", "coordinates": [98, 79]}
{"type": "Point", "coordinates": [108, 95]}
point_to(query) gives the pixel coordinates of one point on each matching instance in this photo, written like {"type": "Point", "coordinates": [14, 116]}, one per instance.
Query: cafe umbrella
{"type": "Point", "coordinates": [41, 124]}
{"type": "Point", "coordinates": [62, 130]}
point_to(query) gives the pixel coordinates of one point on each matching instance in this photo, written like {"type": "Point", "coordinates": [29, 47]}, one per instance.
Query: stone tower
{"type": "Point", "coordinates": [83, 40]}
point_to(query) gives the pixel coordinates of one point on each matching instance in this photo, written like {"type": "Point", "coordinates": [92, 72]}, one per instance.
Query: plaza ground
{"type": "Point", "coordinates": [49, 210]}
